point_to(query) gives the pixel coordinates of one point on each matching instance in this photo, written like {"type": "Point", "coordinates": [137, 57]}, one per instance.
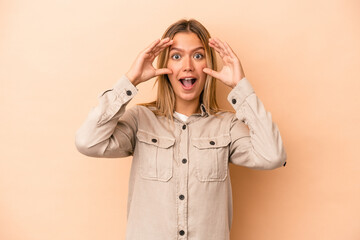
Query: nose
{"type": "Point", "coordinates": [188, 64]}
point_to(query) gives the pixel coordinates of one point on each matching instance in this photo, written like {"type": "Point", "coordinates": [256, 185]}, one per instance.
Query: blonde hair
{"type": "Point", "coordinates": [164, 105]}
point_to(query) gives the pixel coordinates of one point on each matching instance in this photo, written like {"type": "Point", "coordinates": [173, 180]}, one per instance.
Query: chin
{"type": "Point", "coordinates": [188, 97]}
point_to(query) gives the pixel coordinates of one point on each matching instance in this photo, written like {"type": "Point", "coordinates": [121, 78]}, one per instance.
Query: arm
{"type": "Point", "coordinates": [258, 146]}
{"type": "Point", "coordinates": [261, 147]}
{"type": "Point", "coordinates": [108, 130]}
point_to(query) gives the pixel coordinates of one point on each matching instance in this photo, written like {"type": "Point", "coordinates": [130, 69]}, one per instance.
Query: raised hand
{"type": "Point", "coordinates": [232, 71]}
{"type": "Point", "coordinates": [142, 68]}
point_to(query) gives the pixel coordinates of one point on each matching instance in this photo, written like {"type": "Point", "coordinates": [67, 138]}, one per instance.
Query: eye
{"type": "Point", "coordinates": [199, 56]}
{"type": "Point", "coordinates": [175, 56]}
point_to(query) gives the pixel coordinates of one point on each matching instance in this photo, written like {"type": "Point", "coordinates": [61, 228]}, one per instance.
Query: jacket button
{"type": "Point", "coordinates": [128, 92]}
{"type": "Point", "coordinates": [212, 143]}
{"type": "Point", "coordinates": [154, 140]}
{"type": "Point", "coordinates": [233, 101]}
{"type": "Point", "coordinates": [182, 197]}
{"type": "Point", "coordinates": [181, 232]}
{"type": "Point", "coordinates": [184, 160]}
{"type": "Point", "coordinates": [184, 127]}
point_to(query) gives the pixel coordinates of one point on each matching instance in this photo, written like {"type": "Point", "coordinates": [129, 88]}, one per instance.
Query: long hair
{"type": "Point", "coordinates": [164, 105]}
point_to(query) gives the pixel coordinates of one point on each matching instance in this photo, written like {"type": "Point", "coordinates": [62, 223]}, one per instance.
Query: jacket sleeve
{"type": "Point", "coordinates": [109, 131]}
{"type": "Point", "coordinates": [257, 145]}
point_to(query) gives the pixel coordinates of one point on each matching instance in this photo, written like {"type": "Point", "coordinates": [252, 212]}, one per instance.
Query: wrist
{"type": "Point", "coordinates": [236, 82]}
{"type": "Point", "coordinates": [132, 79]}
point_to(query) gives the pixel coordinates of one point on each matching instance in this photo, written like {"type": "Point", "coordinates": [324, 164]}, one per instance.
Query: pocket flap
{"type": "Point", "coordinates": [211, 142]}
{"type": "Point", "coordinates": [149, 138]}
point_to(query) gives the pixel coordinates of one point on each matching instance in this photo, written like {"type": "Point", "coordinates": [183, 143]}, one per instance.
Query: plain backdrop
{"type": "Point", "coordinates": [301, 56]}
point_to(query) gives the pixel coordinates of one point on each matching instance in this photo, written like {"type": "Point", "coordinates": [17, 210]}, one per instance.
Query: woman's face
{"type": "Point", "coordinates": [187, 61]}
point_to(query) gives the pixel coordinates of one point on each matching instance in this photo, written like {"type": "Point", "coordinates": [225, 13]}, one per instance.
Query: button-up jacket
{"type": "Point", "coordinates": [179, 186]}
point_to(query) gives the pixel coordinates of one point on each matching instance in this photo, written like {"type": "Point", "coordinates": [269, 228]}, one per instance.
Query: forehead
{"type": "Point", "coordinates": [186, 41]}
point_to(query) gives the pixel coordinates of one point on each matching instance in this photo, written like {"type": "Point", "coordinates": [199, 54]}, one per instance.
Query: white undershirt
{"type": "Point", "coordinates": [182, 116]}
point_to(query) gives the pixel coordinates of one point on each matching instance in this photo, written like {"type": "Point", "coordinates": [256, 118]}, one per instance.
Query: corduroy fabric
{"type": "Point", "coordinates": [179, 186]}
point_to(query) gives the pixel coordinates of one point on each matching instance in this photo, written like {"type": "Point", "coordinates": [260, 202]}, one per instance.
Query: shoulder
{"type": "Point", "coordinates": [144, 109]}
{"type": "Point", "coordinates": [146, 112]}
{"type": "Point", "coordinates": [224, 114]}
{"type": "Point", "coordinates": [139, 110]}
{"type": "Point", "coordinates": [228, 118]}
{"type": "Point", "coordinates": [141, 114]}
{"type": "Point", "coordinates": [221, 118]}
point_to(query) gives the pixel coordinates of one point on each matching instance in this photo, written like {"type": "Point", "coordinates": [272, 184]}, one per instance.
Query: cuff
{"type": "Point", "coordinates": [121, 93]}
{"type": "Point", "coordinates": [239, 93]}
{"type": "Point", "coordinates": [123, 89]}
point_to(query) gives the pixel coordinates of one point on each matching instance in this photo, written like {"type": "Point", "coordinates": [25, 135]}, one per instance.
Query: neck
{"type": "Point", "coordinates": [187, 107]}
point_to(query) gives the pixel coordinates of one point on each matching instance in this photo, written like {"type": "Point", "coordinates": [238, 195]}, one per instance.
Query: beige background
{"type": "Point", "coordinates": [302, 58]}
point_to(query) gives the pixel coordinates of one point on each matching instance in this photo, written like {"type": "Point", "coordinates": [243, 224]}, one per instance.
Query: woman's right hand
{"type": "Point", "coordinates": [142, 68]}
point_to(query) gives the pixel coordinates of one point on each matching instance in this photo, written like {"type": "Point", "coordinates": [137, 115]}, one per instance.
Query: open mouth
{"type": "Point", "coordinates": [187, 82]}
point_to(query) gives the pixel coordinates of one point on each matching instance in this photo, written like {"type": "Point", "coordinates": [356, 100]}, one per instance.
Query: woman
{"type": "Point", "coordinates": [182, 143]}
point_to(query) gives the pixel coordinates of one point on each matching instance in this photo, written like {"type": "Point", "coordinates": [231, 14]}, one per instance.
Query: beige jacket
{"type": "Point", "coordinates": [179, 186]}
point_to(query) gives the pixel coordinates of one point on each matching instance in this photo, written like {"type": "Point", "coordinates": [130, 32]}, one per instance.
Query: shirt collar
{"type": "Point", "coordinates": [203, 110]}
{"type": "Point", "coordinates": [203, 113]}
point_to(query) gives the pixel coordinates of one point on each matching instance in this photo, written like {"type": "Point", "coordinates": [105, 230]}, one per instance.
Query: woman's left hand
{"type": "Point", "coordinates": [232, 71]}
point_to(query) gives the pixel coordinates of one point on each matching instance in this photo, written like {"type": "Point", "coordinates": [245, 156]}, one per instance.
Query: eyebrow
{"type": "Point", "coordinates": [181, 50]}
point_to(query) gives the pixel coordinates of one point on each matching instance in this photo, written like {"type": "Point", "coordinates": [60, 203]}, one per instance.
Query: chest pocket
{"type": "Point", "coordinates": [155, 155]}
{"type": "Point", "coordinates": [211, 157]}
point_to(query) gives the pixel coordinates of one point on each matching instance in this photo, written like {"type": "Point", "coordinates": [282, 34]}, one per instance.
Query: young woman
{"type": "Point", "coordinates": [182, 144]}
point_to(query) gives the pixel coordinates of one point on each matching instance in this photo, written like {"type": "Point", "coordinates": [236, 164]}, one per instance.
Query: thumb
{"type": "Point", "coordinates": [162, 71]}
{"type": "Point", "coordinates": [211, 72]}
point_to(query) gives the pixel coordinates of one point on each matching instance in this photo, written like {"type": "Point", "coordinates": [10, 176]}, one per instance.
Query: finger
{"type": "Point", "coordinates": [163, 47]}
{"type": "Point", "coordinates": [229, 49]}
{"type": "Point", "coordinates": [218, 49]}
{"type": "Point", "coordinates": [161, 44]}
{"type": "Point", "coordinates": [162, 71]}
{"type": "Point", "coordinates": [216, 43]}
{"type": "Point", "coordinates": [212, 73]}
{"type": "Point", "coordinates": [222, 46]}
{"type": "Point", "coordinates": [151, 46]}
